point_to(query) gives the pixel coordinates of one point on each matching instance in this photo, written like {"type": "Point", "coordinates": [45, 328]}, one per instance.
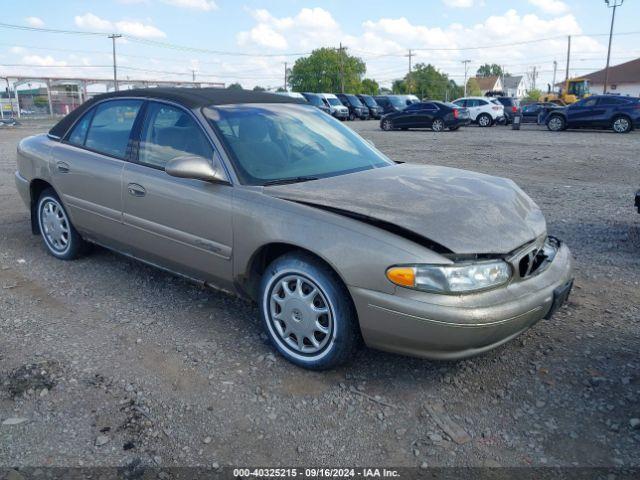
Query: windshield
{"type": "Point", "coordinates": [579, 89]}
{"type": "Point", "coordinates": [314, 100]}
{"type": "Point", "coordinates": [355, 101]}
{"type": "Point", "coordinates": [334, 102]}
{"type": "Point", "coordinates": [398, 102]}
{"type": "Point", "coordinates": [271, 142]}
{"type": "Point", "coordinates": [369, 101]}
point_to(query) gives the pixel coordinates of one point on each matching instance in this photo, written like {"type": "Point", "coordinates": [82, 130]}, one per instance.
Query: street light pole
{"type": "Point", "coordinates": [115, 70]}
{"type": "Point", "coordinates": [611, 4]}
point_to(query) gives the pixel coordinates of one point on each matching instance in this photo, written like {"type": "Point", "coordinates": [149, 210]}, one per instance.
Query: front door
{"type": "Point", "coordinates": [180, 224]}
{"type": "Point", "coordinates": [583, 113]}
{"type": "Point", "coordinates": [87, 168]}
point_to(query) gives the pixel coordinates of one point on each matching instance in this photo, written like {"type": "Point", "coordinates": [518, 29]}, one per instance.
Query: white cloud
{"type": "Point", "coordinates": [204, 5]}
{"type": "Point", "coordinates": [34, 22]}
{"type": "Point", "coordinates": [134, 28]}
{"type": "Point", "coordinates": [461, 3]}
{"type": "Point", "coordinates": [17, 50]}
{"type": "Point", "coordinates": [556, 7]}
{"type": "Point", "coordinates": [47, 61]}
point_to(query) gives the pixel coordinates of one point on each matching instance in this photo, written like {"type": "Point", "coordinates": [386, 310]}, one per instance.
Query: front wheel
{"type": "Point", "coordinates": [556, 123]}
{"type": "Point", "coordinates": [485, 120]}
{"type": "Point", "coordinates": [352, 116]}
{"type": "Point", "coordinates": [307, 312]}
{"type": "Point", "coordinates": [59, 235]}
{"type": "Point", "coordinates": [621, 124]}
{"type": "Point", "coordinates": [437, 125]}
{"type": "Point", "coordinates": [387, 125]}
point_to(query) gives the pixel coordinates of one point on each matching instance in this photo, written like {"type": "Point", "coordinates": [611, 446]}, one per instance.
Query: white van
{"type": "Point", "coordinates": [337, 109]}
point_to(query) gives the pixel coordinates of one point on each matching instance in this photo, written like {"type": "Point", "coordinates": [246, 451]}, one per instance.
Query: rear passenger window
{"type": "Point", "coordinates": [111, 127]}
{"type": "Point", "coordinates": [169, 132]}
{"type": "Point", "coordinates": [79, 132]}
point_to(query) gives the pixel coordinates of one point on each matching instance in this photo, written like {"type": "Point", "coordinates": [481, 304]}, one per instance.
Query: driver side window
{"type": "Point", "coordinates": [169, 132]}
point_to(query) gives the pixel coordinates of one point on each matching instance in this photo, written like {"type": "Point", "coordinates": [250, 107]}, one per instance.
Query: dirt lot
{"type": "Point", "coordinates": [134, 366]}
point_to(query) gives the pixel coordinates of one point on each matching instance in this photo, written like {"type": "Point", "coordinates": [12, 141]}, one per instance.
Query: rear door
{"type": "Point", "coordinates": [177, 223]}
{"type": "Point", "coordinates": [409, 117]}
{"type": "Point", "coordinates": [87, 169]}
{"type": "Point", "coordinates": [608, 107]}
{"type": "Point", "coordinates": [427, 113]}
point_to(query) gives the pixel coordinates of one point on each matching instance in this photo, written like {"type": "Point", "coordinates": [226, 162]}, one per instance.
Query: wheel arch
{"type": "Point", "coordinates": [621, 115]}
{"type": "Point", "coordinates": [36, 187]}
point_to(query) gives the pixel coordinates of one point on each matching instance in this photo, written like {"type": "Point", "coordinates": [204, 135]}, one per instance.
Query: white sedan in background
{"type": "Point", "coordinates": [483, 111]}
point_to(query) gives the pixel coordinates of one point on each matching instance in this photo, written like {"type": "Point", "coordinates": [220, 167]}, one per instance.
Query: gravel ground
{"type": "Point", "coordinates": [105, 361]}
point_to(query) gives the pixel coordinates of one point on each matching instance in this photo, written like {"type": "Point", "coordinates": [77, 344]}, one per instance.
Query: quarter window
{"type": "Point", "coordinates": [79, 132]}
{"type": "Point", "coordinates": [110, 128]}
{"type": "Point", "coordinates": [169, 132]}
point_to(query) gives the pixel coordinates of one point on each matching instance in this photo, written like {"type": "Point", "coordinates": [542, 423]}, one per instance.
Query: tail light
{"type": "Point", "coordinates": [455, 113]}
{"type": "Point", "coordinates": [514, 109]}
{"type": "Point", "coordinates": [495, 107]}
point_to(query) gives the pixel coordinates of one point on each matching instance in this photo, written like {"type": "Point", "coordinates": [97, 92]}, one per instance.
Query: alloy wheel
{"type": "Point", "coordinates": [484, 120]}
{"type": "Point", "coordinates": [300, 314]}
{"type": "Point", "coordinates": [387, 125]}
{"type": "Point", "coordinates": [555, 123]}
{"type": "Point", "coordinates": [54, 225]}
{"type": "Point", "coordinates": [437, 125]}
{"type": "Point", "coordinates": [621, 125]}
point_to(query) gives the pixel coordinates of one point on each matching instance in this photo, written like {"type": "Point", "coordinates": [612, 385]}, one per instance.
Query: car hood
{"type": "Point", "coordinates": [466, 212]}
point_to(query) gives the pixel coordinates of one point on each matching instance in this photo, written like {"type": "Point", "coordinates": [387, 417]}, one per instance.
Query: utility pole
{"type": "Point", "coordinates": [341, 70]}
{"type": "Point", "coordinates": [193, 75]}
{"type": "Point", "coordinates": [466, 64]}
{"type": "Point", "coordinates": [611, 4]}
{"type": "Point", "coordinates": [533, 76]}
{"type": "Point", "coordinates": [113, 37]}
{"type": "Point", "coordinates": [555, 68]}
{"type": "Point", "coordinates": [410, 55]}
{"type": "Point", "coordinates": [285, 76]}
{"type": "Point", "coordinates": [566, 77]}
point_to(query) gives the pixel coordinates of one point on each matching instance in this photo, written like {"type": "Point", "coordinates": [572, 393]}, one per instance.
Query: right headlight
{"type": "Point", "coordinates": [451, 279]}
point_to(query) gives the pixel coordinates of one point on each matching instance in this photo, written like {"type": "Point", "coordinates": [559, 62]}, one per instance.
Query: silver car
{"type": "Point", "coordinates": [274, 201]}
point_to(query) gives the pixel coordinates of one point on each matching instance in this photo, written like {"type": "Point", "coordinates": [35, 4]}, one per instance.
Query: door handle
{"type": "Point", "coordinates": [136, 190]}
{"type": "Point", "coordinates": [62, 167]}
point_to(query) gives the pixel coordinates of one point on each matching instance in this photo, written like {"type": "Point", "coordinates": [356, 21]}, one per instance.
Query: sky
{"type": "Point", "coordinates": [249, 41]}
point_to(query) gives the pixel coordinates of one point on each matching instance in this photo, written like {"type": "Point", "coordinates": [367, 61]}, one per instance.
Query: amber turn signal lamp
{"type": "Point", "coordinates": [403, 276]}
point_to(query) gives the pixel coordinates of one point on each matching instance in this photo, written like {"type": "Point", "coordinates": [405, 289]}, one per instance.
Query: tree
{"type": "Point", "coordinates": [320, 72]}
{"type": "Point", "coordinates": [369, 87]}
{"type": "Point", "coordinates": [427, 82]}
{"type": "Point", "coordinates": [473, 89]}
{"type": "Point", "coordinates": [533, 95]}
{"type": "Point", "coordinates": [258, 88]}
{"type": "Point", "coordinates": [493, 70]}
{"type": "Point", "coordinates": [234, 86]}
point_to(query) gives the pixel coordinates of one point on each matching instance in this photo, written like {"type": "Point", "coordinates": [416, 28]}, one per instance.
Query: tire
{"type": "Point", "coordinates": [621, 124]}
{"type": "Point", "coordinates": [352, 117]}
{"type": "Point", "coordinates": [556, 123]}
{"type": "Point", "coordinates": [387, 125]}
{"type": "Point", "coordinates": [328, 314]}
{"type": "Point", "coordinates": [437, 125]}
{"type": "Point", "coordinates": [59, 235]}
{"type": "Point", "coordinates": [484, 120]}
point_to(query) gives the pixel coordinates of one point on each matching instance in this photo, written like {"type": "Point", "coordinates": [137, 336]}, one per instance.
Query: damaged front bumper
{"type": "Point", "coordinates": [450, 327]}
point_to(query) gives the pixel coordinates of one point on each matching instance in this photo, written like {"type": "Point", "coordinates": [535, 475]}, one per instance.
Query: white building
{"type": "Point", "coordinates": [624, 79]}
{"type": "Point", "coordinates": [513, 86]}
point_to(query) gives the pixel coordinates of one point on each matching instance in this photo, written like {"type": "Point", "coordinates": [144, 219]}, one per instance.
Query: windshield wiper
{"type": "Point", "coordinates": [284, 181]}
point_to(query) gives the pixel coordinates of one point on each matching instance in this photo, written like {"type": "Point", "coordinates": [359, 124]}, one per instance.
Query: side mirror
{"type": "Point", "coordinates": [196, 167]}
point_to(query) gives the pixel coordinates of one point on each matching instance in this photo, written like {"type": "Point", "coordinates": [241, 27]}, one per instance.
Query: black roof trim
{"type": "Point", "coordinates": [189, 97]}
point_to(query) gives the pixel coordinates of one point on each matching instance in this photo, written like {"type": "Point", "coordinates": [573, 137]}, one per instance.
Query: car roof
{"type": "Point", "coordinates": [188, 97]}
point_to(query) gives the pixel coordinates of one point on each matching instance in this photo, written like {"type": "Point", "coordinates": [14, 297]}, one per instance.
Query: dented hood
{"type": "Point", "coordinates": [466, 212]}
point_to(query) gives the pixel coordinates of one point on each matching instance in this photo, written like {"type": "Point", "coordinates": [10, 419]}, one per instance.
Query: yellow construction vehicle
{"type": "Point", "coordinates": [574, 90]}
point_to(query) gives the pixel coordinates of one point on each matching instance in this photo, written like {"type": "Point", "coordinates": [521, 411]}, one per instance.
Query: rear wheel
{"type": "Point", "coordinates": [437, 125]}
{"type": "Point", "coordinates": [307, 312]}
{"type": "Point", "coordinates": [387, 125]}
{"type": "Point", "coordinates": [621, 124]}
{"type": "Point", "coordinates": [556, 123]}
{"type": "Point", "coordinates": [485, 120]}
{"type": "Point", "coordinates": [59, 235]}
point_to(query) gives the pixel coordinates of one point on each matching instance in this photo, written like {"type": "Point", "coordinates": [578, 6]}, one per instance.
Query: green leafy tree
{"type": "Point", "coordinates": [533, 95]}
{"type": "Point", "coordinates": [320, 72]}
{"type": "Point", "coordinates": [234, 86]}
{"type": "Point", "coordinates": [473, 89]}
{"type": "Point", "coordinates": [369, 87]}
{"type": "Point", "coordinates": [493, 70]}
{"type": "Point", "coordinates": [258, 88]}
{"type": "Point", "coordinates": [427, 82]}
{"type": "Point", "coordinates": [399, 87]}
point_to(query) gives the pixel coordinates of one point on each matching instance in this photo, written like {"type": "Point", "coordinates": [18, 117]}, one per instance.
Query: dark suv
{"type": "Point", "coordinates": [621, 114]}
{"type": "Point", "coordinates": [390, 103]}
{"type": "Point", "coordinates": [375, 110]}
{"type": "Point", "coordinates": [355, 106]}
{"type": "Point", "coordinates": [511, 107]}
{"type": "Point", "coordinates": [317, 101]}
